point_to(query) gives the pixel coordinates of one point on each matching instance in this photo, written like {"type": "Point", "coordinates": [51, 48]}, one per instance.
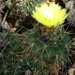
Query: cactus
{"type": "Point", "coordinates": [16, 61]}
{"type": "Point", "coordinates": [28, 63]}
{"type": "Point", "coordinates": [7, 54]}
{"type": "Point", "coordinates": [39, 52]}
{"type": "Point", "coordinates": [23, 7]}
{"type": "Point", "coordinates": [54, 50]}
{"type": "Point", "coordinates": [52, 43]}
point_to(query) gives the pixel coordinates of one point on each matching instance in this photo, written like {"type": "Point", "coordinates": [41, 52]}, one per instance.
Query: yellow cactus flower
{"type": "Point", "coordinates": [50, 15]}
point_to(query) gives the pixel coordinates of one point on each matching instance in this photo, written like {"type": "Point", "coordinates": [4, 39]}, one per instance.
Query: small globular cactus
{"type": "Point", "coordinates": [52, 48]}
{"type": "Point", "coordinates": [24, 7]}
{"type": "Point", "coordinates": [15, 60]}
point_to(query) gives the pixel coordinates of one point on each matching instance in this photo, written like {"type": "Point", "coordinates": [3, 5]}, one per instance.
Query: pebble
{"type": "Point", "coordinates": [71, 17]}
{"type": "Point", "coordinates": [70, 5]}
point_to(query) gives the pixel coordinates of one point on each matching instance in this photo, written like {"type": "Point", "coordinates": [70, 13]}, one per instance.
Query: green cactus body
{"type": "Point", "coordinates": [13, 61]}
{"type": "Point", "coordinates": [28, 63]}
{"type": "Point", "coordinates": [56, 48]}
{"type": "Point", "coordinates": [8, 54]}
{"type": "Point", "coordinates": [37, 54]}
{"type": "Point", "coordinates": [25, 7]}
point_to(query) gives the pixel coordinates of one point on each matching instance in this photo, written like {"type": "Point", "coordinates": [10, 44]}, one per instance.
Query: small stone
{"type": "Point", "coordinates": [71, 17]}
{"type": "Point", "coordinates": [28, 72]}
{"type": "Point", "coordinates": [70, 4]}
{"type": "Point", "coordinates": [13, 29]}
